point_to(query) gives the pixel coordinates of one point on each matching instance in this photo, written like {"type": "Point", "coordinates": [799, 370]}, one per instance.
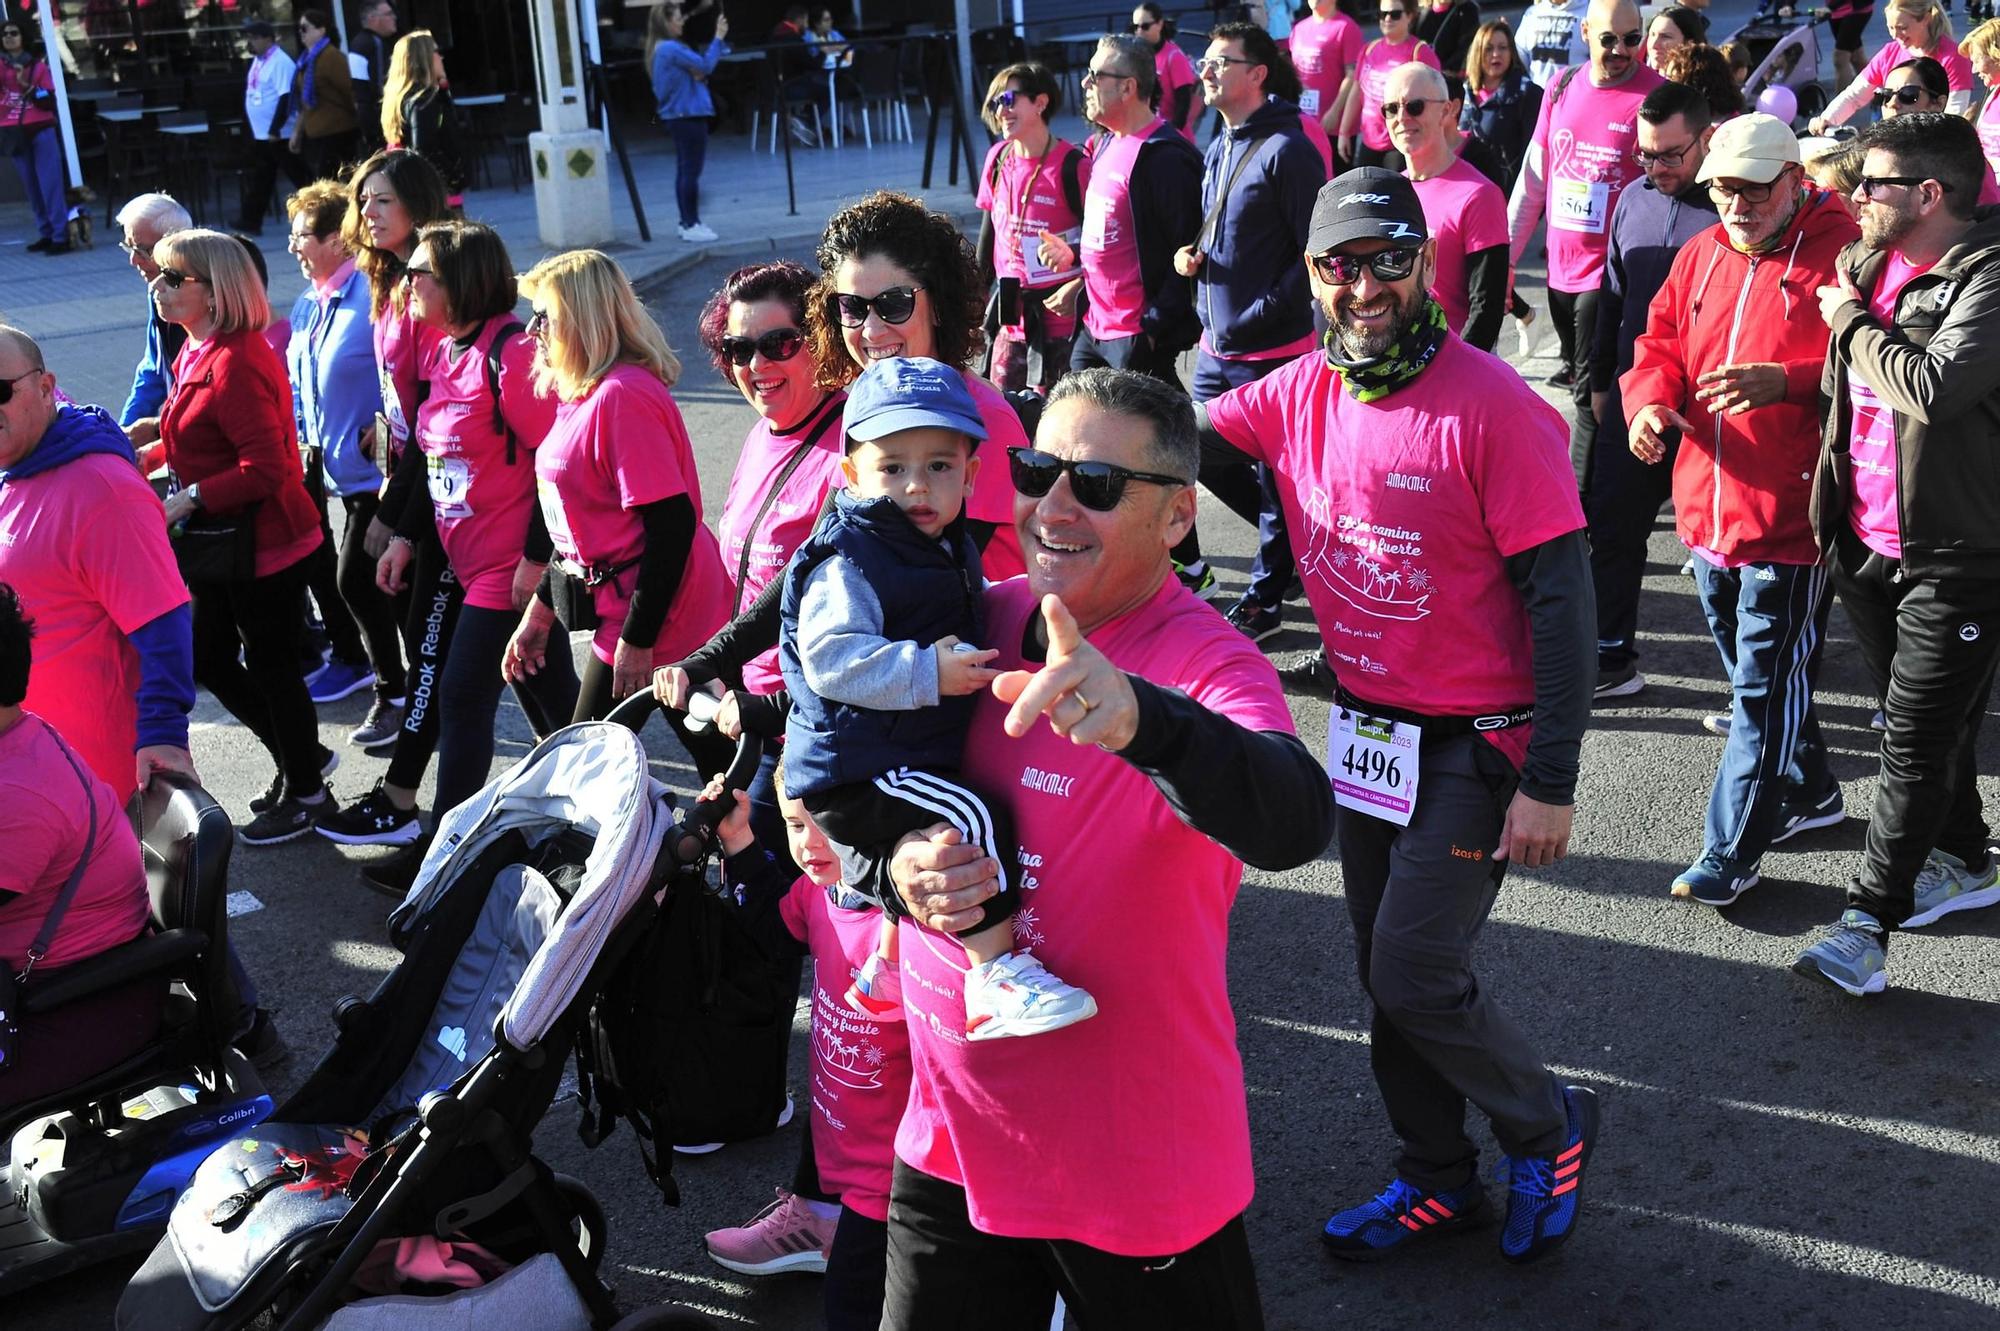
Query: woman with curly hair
{"type": "Point", "coordinates": [897, 279]}
{"type": "Point", "coordinates": [1706, 70]}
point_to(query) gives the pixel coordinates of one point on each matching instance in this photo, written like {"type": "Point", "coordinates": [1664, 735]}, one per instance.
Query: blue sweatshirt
{"type": "Point", "coordinates": [335, 388]}
{"type": "Point", "coordinates": [1647, 231]}
{"type": "Point", "coordinates": [1250, 292]}
{"type": "Point", "coordinates": [677, 92]}
{"type": "Point", "coordinates": [155, 374]}
{"type": "Point", "coordinates": [165, 644]}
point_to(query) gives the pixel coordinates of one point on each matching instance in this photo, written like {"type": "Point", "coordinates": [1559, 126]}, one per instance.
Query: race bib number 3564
{"type": "Point", "coordinates": [1373, 763]}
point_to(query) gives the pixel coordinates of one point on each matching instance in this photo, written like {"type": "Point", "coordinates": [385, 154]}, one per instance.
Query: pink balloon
{"type": "Point", "coordinates": [1780, 101]}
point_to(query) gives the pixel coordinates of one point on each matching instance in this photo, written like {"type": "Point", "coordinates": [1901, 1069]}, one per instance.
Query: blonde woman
{"type": "Point", "coordinates": [619, 492]}
{"type": "Point", "coordinates": [1917, 28]}
{"type": "Point", "coordinates": [417, 112]}
{"type": "Point", "coordinates": [229, 443]}
{"type": "Point", "coordinates": [1981, 48]}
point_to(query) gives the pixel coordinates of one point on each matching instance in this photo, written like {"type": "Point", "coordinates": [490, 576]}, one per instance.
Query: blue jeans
{"type": "Point", "coordinates": [40, 165]}
{"type": "Point", "coordinates": [690, 135]}
{"type": "Point", "coordinates": [1252, 493]}
{"type": "Point", "coordinates": [1768, 621]}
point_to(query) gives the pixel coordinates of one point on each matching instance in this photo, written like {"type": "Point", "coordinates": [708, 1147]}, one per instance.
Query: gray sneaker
{"type": "Point", "coordinates": [1944, 885]}
{"type": "Point", "coordinates": [1854, 955]}
{"type": "Point", "coordinates": [385, 718]}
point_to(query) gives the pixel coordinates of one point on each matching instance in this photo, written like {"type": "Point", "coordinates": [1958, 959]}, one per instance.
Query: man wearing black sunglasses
{"type": "Point", "coordinates": [1576, 169]}
{"type": "Point", "coordinates": [1142, 204]}
{"type": "Point", "coordinates": [1903, 503]}
{"type": "Point", "coordinates": [1441, 542]}
{"type": "Point", "coordinates": [1147, 755]}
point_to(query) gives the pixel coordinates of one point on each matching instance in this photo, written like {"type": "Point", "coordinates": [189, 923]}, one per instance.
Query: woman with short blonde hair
{"type": "Point", "coordinates": [603, 324]}
{"type": "Point", "coordinates": [245, 528]}
{"type": "Point", "coordinates": [1917, 28]}
{"type": "Point", "coordinates": [620, 495]}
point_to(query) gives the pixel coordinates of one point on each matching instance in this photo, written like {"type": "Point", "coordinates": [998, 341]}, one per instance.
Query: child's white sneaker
{"type": "Point", "coordinates": [877, 991]}
{"type": "Point", "coordinates": [1016, 995]}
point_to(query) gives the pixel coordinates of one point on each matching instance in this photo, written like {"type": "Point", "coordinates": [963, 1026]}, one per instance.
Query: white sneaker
{"type": "Point", "coordinates": [700, 233]}
{"type": "Point", "coordinates": [710, 1148]}
{"type": "Point", "coordinates": [1016, 995]}
{"type": "Point", "coordinates": [1529, 332]}
{"type": "Point", "coordinates": [1717, 723]}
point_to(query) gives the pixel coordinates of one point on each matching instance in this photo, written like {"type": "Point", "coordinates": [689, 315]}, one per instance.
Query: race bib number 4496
{"type": "Point", "coordinates": [1373, 763]}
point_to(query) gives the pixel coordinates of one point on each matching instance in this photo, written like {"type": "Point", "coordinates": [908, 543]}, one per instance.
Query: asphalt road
{"type": "Point", "coordinates": [1773, 1154]}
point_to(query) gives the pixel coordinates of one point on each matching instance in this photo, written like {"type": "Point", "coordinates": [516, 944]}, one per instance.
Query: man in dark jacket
{"type": "Point", "coordinates": [1144, 203]}
{"type": "Point", "coordinates": [375, 43]}
{"type": "Point", "coordinates": [1258, 183]}
{"type": "Point", "coordinates": [1651, 225]}
{"type": "Point", "coordinates": [1903, 504]}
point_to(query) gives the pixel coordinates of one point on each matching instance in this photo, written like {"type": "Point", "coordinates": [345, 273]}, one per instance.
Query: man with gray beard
{"type": "Point", "coordinates": [1430, 498]}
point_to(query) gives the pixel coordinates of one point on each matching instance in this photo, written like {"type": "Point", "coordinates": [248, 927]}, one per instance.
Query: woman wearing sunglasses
{"type": "Point", "coordinates": [28, 133]}
{"type": "Point", "coordinates": [1180, 101]}
{"type": "Point", "coordinates": [620, 496]}
{"type": "Point", "coordinates": [1033, 182]}
{"type": "Point", "coordinates": [1398, 45]}
{"type": "Point", "coordinates": [227, 435]}
{"type": "Point", "coordinates": [1916, 28]}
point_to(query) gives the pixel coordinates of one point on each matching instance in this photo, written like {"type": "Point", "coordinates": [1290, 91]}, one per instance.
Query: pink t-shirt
{"type": "Point", "coordinates": [860, 1068]}
{"type": "Point", "coordinates": [1467, 214]}
{"type": "Point", "coordinates": [1587, 138]}
{"type": "Point", "coordinates": [621, 447]}
{"type": "Point", "coordinates": [483, 505]}
{"type": "Point", "coordinates": [85, 547]}
{"type": "Point", "coordinates": [1317, 133]}
{"type": "Point", "coordinates": [787, 522]}
{"type": "Point", "coordinates": [993, 492]}
{"type": "Point", "coordinates": [401, 344]}
{"type": "Point", "coordinates": [1379, 59]}
{"type": "Point", "coordinates": [1172, 71]}
{"type": "Point", "coordinates": [1957, 69]}
{"type": "Point", "coordinates": [1025, 196]}
{"type": "Point", "coordinates": [1322, 49]}
{"type": "Point", "coordinates": [1111, 278]}
{"type": "Point", "coordinates": [1988, 126]}
{"type": "Point", "coordinates": [1129, 1132]}
{"type": "Point", "coordinates": [1403, 511]}
{"type": "Point", "coordinates": [44, 817]}
{"type": "Point", "coordinates": [1872, 446]}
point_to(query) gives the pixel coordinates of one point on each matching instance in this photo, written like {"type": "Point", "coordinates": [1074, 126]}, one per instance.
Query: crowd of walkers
{"type": "Point", "coordinates": [956, 572]}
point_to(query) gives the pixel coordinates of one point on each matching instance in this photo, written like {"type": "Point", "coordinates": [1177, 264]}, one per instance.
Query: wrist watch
{"type": "Point", "coordinates": [193, 492]}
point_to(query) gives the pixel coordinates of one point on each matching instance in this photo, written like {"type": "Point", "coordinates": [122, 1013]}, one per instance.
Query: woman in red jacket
{"type": "Point", "coordinates": [228, 434]}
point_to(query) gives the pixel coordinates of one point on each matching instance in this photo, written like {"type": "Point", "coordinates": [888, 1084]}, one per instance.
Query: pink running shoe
{"type": "Point", "coordinates": [785, 1236]}
{"type": "Point", "coordinates": [877, 991]}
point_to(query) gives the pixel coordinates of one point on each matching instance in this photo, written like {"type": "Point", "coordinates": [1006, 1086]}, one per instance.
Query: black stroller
{"type": "Point", "coordinates": [410, 1145]}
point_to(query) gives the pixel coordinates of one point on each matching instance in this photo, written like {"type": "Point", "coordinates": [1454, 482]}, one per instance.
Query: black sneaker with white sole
{"type": "Point", "coordinates": [371, 820]}
{"type": "Point", "coordinates": [287, 820]}
{"type": "Point", "coordinates": [1256, 622]}
{"type": "Point", "coordinates": [275, 792]}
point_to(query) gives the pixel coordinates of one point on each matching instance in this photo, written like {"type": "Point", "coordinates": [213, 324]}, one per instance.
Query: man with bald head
{"type": "Point", "coordinates": [83, 541]}
{"type": "Point", "coordinates": [1465, 210]}
{"type": "Point", "coordinates": [1577, 165]}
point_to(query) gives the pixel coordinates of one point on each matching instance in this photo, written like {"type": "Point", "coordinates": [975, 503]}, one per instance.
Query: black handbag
{"type": "Point", "coordinates": [217, 549]}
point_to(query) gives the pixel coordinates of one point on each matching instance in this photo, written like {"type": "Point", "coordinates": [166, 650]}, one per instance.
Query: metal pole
{"type": "Point", "coordinates": [65, 123]}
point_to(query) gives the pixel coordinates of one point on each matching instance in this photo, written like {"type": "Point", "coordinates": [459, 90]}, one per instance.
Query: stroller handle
{"type": "Point", "coordinates": [702, 816]}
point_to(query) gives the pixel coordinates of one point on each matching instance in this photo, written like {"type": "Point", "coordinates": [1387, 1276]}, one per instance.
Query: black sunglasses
{"type": "Point", "coordinates": [1909, 94]}
{"type": "Point", "coordinates": [778, 344]}
{"type": "Point", "coordinates": [538, 323]}
{"type": "Point", "coordinates": [892, 305]}
{"type": "Point", "coordinates": [1147, 26]}
{"type": "Point", "coordinates": [1416, 106]}
{"type": "Point", "coordinates": [7, 385]}
{"type": "Point", "coordinates": [1390, 15]}
{"type": "Point", "coordinates": [1869, 184]}
{"type": "Point", "coordinates": [1339, 270]}
{"type": "Point", "coordinates": [1608, 41]}
{"type": "Point", "coordinates": [1097, 485]}
{"type": "Point", "coordinates": [175, 280]}
{"type": "Point", "coordinates": [412, 273]}
{"type": "Point", "coordinates": [1002, 101]}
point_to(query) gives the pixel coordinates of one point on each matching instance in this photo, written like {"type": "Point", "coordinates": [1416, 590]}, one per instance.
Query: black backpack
{"type": "Point", "coordinates": [687, 1040]}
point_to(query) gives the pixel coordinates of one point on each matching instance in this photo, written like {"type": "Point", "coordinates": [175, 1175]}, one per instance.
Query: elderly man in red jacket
{"type": "Point", "coordinates": [1730, 363]}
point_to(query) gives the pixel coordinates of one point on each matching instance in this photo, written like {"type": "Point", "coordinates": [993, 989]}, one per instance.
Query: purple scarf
{"type": "Point", "coordinates": [308, 96]}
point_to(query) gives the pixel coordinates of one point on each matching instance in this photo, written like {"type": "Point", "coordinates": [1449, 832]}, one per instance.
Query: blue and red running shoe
{"type": "Point", "coordinates": [1544, 1196]}
{"type": "Point", "coordinates": [1399, 1215]}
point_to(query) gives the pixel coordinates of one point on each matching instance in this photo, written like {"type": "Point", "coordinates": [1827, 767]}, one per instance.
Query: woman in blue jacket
{"type": "Point", "coordinates": [680, 92]}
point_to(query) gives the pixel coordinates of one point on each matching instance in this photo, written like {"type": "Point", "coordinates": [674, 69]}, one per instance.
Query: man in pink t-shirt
{"type": "Point", "coordinates": [1167, 760]}
{"type": "Point", "coordinates": [1902, 504]}
{"type": "Point", "coordinates": [1426, 491]}
{"type": "Point", "coordinates": [1578, 164]}
{"type": "Point", "coordinates": [1465, 211]}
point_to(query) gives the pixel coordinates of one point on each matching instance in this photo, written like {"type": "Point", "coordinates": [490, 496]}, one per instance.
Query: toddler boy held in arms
{"type": "Point", "coordinates": [879, 612]}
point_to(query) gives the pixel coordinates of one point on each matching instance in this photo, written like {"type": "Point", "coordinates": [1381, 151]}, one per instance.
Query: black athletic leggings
{"type": "Point", "coordinates": [471, 697]}
{"type": "Point", "coordinates": [374, 610]}
{"type": "Point", "coordinates": [265, 617]}
{"type": "Point", "coordinates": [435, 598]}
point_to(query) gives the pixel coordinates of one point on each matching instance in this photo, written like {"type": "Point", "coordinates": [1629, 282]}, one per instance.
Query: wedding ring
{"type": "Point", "coordinates": [1088, 705]}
